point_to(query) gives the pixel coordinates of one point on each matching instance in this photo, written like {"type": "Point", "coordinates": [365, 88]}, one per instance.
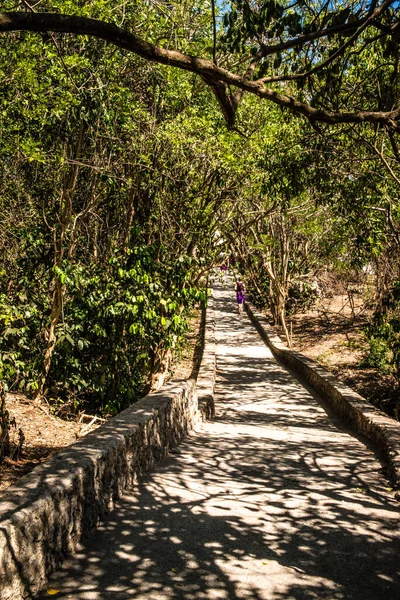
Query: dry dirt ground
{"type": "Point", "coordinates": [331, 334]}
{"type": "Point", "coordinates": [36, 434]}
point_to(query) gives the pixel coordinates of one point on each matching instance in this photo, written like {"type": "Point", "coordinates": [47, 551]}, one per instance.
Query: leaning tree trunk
{"type": "Point", "coordinates": [4, 424]}
{"type": "Point", "coordinates": [282, 318]}
{"type": "Point", "coordinates": [56, 309]}
{"type": "Point", "coordinates": [278, 301]}
{"type": "Point", "coordinates": [66, 229]}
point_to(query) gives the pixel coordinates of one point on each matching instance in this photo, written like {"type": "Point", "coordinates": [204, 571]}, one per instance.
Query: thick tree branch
{"type": "Point", "coordinates": [211, 73]}
{"type": "Point", "coordinates": [362, 25]}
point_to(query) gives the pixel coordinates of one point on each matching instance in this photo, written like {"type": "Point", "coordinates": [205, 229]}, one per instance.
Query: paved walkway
{"type": "Point", "coordinates": [270, 501]}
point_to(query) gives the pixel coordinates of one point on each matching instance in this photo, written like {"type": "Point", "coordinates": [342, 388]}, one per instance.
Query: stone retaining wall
{"type": "Point", "coordinates": [45, 515]}
{"type": "Point", "coordinates": [367, 420]}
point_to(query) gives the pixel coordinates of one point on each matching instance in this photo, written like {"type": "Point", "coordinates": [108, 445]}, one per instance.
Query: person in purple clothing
{"type": "Point", "coordinates": [240, 294]}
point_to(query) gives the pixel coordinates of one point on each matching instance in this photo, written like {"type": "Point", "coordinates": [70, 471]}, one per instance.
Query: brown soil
{"type": "Point", "coordinates": [36, 434]}
{"type": "Point", "coordinates": [331, 334]}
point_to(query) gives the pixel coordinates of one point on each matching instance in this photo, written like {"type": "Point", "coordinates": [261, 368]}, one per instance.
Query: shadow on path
{"type": "Point", "coordinates": [268, 502]}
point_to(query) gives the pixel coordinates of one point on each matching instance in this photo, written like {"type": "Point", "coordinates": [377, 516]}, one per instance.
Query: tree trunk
{"type": "Point", "coordinates": [57, 304]}
{"type": "Point", "coordinates": [4, 424]}
{"type": "Point", "coordinates": [278, 301]}
{"type": "Point", "coordinates": [67, 227]}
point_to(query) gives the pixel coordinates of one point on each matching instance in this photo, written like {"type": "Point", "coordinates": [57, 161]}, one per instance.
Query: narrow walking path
{"type": "Point", "coordinates": [270, 501]}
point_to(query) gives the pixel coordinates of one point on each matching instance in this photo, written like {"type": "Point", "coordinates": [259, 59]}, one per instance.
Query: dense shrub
{"type": "Point", "coordinates": [383, 335]}
{"type": "Point", "coordinates": [118, 319]}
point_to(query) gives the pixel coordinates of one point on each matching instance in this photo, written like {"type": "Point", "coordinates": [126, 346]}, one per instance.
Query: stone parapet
{"type": "Point", "coordinates": [364, 418]}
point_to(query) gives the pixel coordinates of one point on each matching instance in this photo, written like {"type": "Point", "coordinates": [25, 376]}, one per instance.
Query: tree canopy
{"type": "Point", "coordinates": [298, 55]}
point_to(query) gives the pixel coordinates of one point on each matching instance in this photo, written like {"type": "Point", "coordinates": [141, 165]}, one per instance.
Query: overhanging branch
{"type": "Point", "coordinates": [214, 75]}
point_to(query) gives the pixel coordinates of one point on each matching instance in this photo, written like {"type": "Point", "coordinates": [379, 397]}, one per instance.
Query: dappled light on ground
{"type": "Point", "coordinates": [270, 501]}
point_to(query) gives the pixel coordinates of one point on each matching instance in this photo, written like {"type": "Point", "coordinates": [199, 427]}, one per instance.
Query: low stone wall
{"type": "Point", "coordinates": [367, 420]}
{"type": "Point", "coordinates": [44, 517]}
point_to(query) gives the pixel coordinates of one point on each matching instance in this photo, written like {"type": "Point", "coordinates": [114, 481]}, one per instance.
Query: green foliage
{"type": "Point", "coordinates": [380, 353]}
{"type": "Point", "coordinates": [383, 335]}
{"type": "Point", "coordinates": [117, 318]}
{"type": "Point", "coordinates": [20, 358]}
{"type": "Point", "coordinates": [106, 214]}
{"type": "Point", "coordinates": [288, 43]}
{"type": "Point", "coordinates": [301, 296]}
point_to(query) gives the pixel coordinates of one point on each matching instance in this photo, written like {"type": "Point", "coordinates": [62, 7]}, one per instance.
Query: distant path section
{"type": "Point", "coordinates": [273, 500]}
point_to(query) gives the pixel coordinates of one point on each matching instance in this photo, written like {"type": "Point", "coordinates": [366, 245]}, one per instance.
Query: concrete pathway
{"type": "Point", "coordinates": [270, 501]}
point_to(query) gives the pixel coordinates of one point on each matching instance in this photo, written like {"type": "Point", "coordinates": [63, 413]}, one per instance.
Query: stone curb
{"type": "Point", "coordinates": [45, 516]}
{"type": "Point", "coordinates": [366, 420]}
